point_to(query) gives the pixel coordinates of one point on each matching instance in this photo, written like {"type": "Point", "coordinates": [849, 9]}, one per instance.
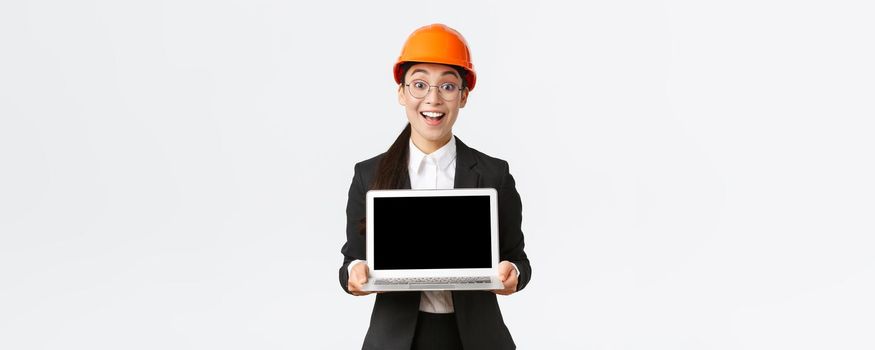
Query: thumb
{"type": "Point", "coordinates": [364, 275]}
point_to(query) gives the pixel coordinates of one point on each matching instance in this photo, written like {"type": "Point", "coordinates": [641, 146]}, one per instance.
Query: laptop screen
{"type": "Point", "coordinates": [447, 232]}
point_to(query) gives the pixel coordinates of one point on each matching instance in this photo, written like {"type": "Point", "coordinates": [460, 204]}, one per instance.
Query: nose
{"type": "Point", "coordinates": [432, 96]}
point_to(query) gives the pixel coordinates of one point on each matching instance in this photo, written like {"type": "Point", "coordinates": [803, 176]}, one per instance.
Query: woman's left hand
{"type": "Point", "coordinates": [507, 275]}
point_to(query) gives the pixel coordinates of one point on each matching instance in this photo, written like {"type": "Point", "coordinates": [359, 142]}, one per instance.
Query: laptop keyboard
{"type": "Point", "coordinates": [433, 280]}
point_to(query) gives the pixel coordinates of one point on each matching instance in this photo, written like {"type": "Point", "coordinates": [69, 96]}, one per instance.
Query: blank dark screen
{"type": "Point", "coordinates": [432, 233]}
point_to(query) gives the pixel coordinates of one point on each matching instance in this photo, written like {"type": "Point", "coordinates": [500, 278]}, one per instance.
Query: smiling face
{"type": "Point", "coordinates": [431, 117]}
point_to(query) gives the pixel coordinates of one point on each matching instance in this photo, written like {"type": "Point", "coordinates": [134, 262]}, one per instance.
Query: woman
{"type": "Point", "coordinates": [435, 75]}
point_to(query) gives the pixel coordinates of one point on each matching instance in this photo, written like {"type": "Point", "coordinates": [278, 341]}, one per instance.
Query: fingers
{"type": "Point", "coordinates": [505, 271]}
{"type": "Point", "coordinates": [355, 288]}
{"type": "Point", "coordinates": [502, 271]}
{"type": "Point", "coordinates": [511, 282]}
{"type": "Point", "coordinates": [509, 286]}
{"type": "Point", "coordinates": [358, 276]}
{"type": "Point", "coordinates": [508, 277]}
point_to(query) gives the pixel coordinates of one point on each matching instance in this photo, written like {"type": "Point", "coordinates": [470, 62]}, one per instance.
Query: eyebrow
{"type": "Point", "coordinates": [449, 72]}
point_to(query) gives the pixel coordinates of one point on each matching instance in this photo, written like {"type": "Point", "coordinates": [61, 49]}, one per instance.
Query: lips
{"type": "Point", "coordinates": [432, 118]}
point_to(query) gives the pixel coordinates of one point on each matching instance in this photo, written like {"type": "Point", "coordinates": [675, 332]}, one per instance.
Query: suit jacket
{"type": "Point", "coordinates": [393, 320]}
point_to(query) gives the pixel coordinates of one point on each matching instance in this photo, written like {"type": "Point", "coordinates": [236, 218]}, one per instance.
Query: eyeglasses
{"type": "Point", "coordinates": [420, 89]}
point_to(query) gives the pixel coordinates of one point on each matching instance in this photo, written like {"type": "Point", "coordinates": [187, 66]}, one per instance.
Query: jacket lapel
{"type": "Point", "coordinates": [466, 167]}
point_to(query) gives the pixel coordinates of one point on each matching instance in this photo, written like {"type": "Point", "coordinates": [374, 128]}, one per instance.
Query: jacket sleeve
{"type": "Point", "coordinates": [512, 244]}
{"type": "Point", "coordinates": [354, 248]}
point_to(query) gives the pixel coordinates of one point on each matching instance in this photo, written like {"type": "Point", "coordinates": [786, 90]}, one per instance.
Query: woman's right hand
{"type": "Point", "coordinates": [358, 275]}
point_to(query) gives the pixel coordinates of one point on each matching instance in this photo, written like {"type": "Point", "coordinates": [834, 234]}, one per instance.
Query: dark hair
{"type": "Point", "coordinates": [392, 170]}
{"type": "Point", "coordinates": [393, 167]}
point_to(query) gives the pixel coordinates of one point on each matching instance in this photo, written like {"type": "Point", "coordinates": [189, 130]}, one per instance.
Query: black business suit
{"type": "Point", "coordinates": [393, 321]}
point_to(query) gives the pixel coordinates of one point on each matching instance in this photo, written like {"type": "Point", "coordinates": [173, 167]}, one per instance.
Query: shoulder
{"type": "Point", "coordinates": [370, 163]}
{"type": "Point", "coordinates": [486, 164]}
{"type": "Point", "coordinates": [366, 169]}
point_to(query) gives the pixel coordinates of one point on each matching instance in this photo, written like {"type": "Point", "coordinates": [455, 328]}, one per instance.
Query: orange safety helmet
{"type": "Point", "coordinates": [437, 43]}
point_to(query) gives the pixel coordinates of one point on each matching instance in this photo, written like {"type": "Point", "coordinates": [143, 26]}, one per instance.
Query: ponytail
{"type": "Point", "coordinates": [392, 171]}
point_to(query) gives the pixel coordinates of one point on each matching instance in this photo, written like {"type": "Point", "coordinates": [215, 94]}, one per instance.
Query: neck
{"type": "Point", "coordinates": [428, 146]}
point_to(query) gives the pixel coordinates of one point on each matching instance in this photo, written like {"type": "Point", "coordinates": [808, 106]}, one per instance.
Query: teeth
{"type": "Point", "coordinates": [433, 114]}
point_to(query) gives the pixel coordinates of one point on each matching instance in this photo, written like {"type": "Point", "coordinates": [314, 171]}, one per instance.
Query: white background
{"type": "Point", "coordinates": [694, 175]}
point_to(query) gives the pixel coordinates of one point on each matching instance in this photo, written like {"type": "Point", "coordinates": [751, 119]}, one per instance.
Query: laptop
{"type": "Point", "coordinates": [432, 240]}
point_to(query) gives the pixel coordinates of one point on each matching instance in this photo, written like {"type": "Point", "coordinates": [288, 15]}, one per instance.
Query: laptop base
{"type": "Point", "coordinates": [371, 287]}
